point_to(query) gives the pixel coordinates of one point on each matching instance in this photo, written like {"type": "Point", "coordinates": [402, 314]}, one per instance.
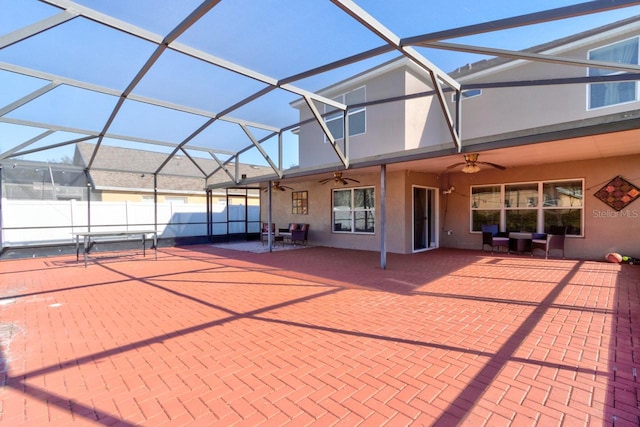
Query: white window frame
{"type": "Point", "coordinates": [612, 72]}
{"type": "Point", "coordinates": [338, 115]}
{"type": "Point", "coordinates": [539, 207]}
{"type": "Point", "coordinates": [353, 210]}
{"type": "Point", "coordinates": [466, 94]}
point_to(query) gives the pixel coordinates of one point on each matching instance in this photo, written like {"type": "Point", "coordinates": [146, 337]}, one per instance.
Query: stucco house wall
{"type": "Point", "coordinates": [385, 123]}
{"type": "Point", "coordinates": [518, 108]}
{"type": "Point", "coordinates": [419, 122]}
{"type": "Point", "coordinates": [423, 119]}
{"type": "Point", "coordinates": [320, 212]}
{"type": "Point", "coordinates": [399, 204]}
{"type": "Point", "coordinates": [605, 230]}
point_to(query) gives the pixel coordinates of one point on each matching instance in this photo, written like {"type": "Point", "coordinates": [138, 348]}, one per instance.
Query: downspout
{"type": "Point", "coordinates": [209, 201]}
{"type": "Point", "coordinates": [269, 219]}
{"type": "Point", "coordinates": [155, 202]}
{"type": "Point", "coordinates": [86, 174]}
{"type": "Point", "coordinates": [383, 216]}
{"type": "Point", "coordinates": [345, 140]}
{"type": "Point", "coordinates": [54, 195]}
{"type": "Point", "coordinates": [458, 122]}
{"type": "Point", "coordinates": [280, 145]}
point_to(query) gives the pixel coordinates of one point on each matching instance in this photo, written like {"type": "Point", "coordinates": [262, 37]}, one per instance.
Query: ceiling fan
{"type": "Point", "coordinates": [275, 186]}
{"type": "Point", "coordinates": [337, 177]}
{"type": "Point", "coordinates": [471, 164]}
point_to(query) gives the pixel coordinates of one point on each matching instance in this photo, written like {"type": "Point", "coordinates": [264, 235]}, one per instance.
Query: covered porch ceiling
{"type": "Point", "coordinates": [613, 144]}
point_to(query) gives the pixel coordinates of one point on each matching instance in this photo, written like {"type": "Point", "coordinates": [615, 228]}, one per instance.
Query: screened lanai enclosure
{"type": "Point", "coordinates": [179, 116]}
{"type": "Point", "coordinates": [47, 204]}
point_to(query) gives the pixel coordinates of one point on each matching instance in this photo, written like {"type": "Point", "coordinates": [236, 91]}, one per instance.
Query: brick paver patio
{"type": "Point", "coordinates": [210, 336]}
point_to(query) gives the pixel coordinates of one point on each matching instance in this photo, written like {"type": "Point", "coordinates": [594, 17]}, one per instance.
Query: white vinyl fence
{"type": "Point", "coordinates": [33, 222]}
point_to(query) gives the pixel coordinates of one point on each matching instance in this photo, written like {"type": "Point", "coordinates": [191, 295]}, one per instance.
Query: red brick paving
{"type": "Point", "coordinates": [209, 336]}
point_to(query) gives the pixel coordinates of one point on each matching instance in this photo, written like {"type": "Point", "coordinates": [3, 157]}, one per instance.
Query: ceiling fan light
{"type": "Point", "coordinates": [471, 168]}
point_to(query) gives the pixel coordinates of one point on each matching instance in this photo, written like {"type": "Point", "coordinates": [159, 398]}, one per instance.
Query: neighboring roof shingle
{"type": "Point", "coordinates": [129, 169]}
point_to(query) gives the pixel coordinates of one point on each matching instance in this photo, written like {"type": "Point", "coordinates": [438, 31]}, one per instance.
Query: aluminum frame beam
{"type": "Point", "coordinates": [187, 50]}
{"type": "Point", "coordinates": [193, 161]}
{"type": "Point", "coordinates": [437, 76]}
{"type": "Point", "coordinates": [314, 110]}
{"type": "Point", "coordinates": [536, 57]}
{"type": "Point", "coordinates": [256, 143]}
{"type": "Point", "coordinates": [36, 28]}
{"type": "Point", "coordinates": [28, 98]}
{"type": "Point", "coordinates": [94, 134]}
{"type": "Point", "coordinates": [222, 165]}
{"type": "Point", "coordinates": [522, 20]}
{"type": "Point", "coordinates": [162, 45]}
{"type": "Point", "coordinates": [113, 92]}
{"type": "Point", "coordinates": [160, 49]}
{"type": "Point", "coordinates": [73, 10]}
{"type": "Point", "coordinates": [376, 27]}
{"type": "Point", "coordinates": [25, 144]}
{"type": "Point", "coordinates": [48, 147]}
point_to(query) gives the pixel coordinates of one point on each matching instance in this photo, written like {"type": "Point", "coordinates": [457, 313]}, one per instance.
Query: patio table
{"type": "Point", "coordinates": [520, 242]}
{"type": "Point", "coordinates": [89, 236]}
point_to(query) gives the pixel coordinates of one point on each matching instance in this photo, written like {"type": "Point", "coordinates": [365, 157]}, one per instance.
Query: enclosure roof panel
{"type": "Point", "coordinates": [221, 79]}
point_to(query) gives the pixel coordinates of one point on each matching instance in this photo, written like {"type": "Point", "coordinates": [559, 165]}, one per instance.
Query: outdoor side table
{"type": "Point", "coordinates": [520, 242]}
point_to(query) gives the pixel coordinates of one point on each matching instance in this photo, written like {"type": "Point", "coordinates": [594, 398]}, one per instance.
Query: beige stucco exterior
{"type": "Point", "coordinates": [512, 109]}
{"type": "Point", "coordinates": [399, 188]}
{"type": "Point", "coordinates": [418, 122]}
{"type": "Point", "coordinates": [605, 230]}
{"type": "Point", "coordinates": [386, 121]}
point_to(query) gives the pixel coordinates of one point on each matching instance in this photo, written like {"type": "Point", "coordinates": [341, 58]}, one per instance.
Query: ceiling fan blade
{"type": "Point", "coordinates": [351, 179]}
{"type": "Point", "coordinates": [455, 165]}
{"type": "Point", "coordinates": [494, 165]}
{"type": "Point", "coordinates": [324, 181]}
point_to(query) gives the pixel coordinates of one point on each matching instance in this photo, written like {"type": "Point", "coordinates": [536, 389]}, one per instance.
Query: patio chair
{"type": "Point", "coordinates": [287, 233]}
{"type": "Point", "coordinates": [300, 234]}
{"type": "Point", "coordinates": [491, 237]}
{"type": "Point", "coordinates": [554, 240]}
{"type": "Point", "coordinates": [265, 232]}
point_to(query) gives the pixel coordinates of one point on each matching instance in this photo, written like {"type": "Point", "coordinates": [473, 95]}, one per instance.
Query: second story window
{"type": "Point", "coordinates": [468, 93]}
{"type": "Point", "coordinates": [357, 115]}
{"type": "Point", "coordinates": [614, 93]}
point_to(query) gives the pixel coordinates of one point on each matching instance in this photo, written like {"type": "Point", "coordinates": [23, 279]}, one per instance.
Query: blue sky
{"type": "Point", "coordinates": [277, 38]}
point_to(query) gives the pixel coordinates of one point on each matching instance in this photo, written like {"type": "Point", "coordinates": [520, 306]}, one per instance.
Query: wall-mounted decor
{"type": "Point", "coordinates": [618, 193]}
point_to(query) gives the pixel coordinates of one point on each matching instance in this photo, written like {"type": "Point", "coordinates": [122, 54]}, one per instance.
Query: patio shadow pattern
{"type": "Point", "coordinates": [210, 336]}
